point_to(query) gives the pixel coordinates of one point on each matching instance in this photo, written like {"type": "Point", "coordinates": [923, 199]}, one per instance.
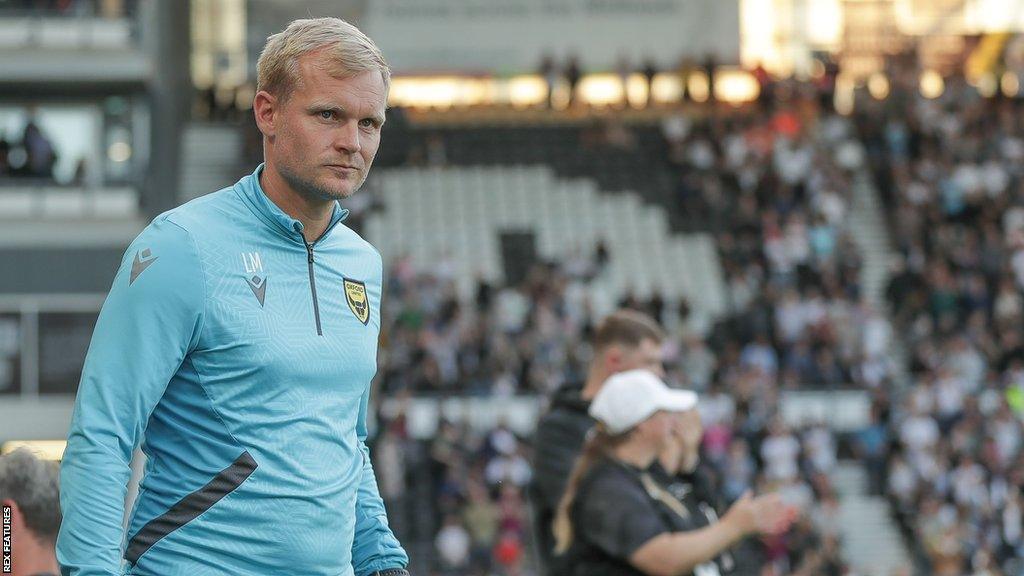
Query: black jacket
{"type": "Point", "coordinates": [560, 435]}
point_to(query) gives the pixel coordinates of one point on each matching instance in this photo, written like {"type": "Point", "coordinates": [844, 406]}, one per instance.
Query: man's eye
{"type": "Point", "coordinates": [368, 123]}
{"type": "Point", "coordinates": [327, 114]}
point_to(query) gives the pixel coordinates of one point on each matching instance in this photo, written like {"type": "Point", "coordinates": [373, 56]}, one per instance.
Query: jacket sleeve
{"type": "Point", "coordinates": [374, 547]}
{"type": "Point", "coordinates": [150, 321]}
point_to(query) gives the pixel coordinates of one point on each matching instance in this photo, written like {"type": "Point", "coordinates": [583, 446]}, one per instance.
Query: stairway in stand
{"type": "Point", "coordinates": [209, 159]}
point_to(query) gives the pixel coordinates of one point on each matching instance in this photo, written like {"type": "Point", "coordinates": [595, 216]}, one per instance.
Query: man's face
{"type": "Point", "coordinates": [325, 135]}
{"type": "Point", "coordinates": [647, 355]}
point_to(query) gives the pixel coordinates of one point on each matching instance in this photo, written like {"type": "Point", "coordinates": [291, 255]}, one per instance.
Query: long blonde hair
{"type": "Point", "coordinates": [598, 444]}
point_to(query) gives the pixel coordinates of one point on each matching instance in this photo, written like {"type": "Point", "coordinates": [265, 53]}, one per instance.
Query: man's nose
{"type": "Point", "coordinates": [346, 137]}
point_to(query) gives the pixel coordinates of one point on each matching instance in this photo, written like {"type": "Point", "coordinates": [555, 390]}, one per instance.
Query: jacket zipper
{"type": "Point", "coordinates": [312, 287]}
{"type": "Point", "coordinates": [312, 277]}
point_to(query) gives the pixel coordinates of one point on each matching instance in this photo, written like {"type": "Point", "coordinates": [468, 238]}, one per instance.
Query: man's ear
{"type": "Point", "coordinates": [265, 107]}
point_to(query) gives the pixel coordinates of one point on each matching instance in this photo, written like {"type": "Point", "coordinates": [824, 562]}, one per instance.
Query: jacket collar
{"type": "Point", "coordinates": [249, 189]}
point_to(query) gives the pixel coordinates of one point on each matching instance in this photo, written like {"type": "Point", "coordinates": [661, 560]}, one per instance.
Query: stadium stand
{"type": "Point", "coordinates": [790, 297]}
{"type": "Point", "coordinates": [875, 259]}
{"type": "Point", "coordinates": [478, 204]}
{"type": "Point", "coordinates": [951, 170]}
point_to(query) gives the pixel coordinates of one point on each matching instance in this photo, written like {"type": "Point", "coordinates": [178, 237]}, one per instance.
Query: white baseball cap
{"type": "Point", "coordinates": [628, 398]}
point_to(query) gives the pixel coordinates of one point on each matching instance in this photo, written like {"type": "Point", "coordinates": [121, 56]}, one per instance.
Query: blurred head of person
{"type": "Point", "coordinates": [636, 415]}
{"type": "Point", "coordinates": [624, 340]}
{"type": "Point", "coordinates": [321, 93]}
{"type": "Point", "coordinates": [29, 489]}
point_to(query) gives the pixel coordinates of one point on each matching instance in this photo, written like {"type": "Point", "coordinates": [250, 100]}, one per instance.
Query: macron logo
{"type": "Point", "coordinates": [259, 287]}
{"type": "Point", "coordinates": [143, 258]}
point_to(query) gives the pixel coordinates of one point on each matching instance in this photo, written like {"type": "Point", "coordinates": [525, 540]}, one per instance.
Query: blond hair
{"type": "Point", "coordinates": [599, 445]}
{"type": "Point", "coordinates": [349, 52]}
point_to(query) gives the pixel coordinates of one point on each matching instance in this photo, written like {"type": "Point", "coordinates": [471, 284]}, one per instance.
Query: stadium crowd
{"type": "Point", "coordinates": [951, 172]}
{"type": "Point", "coordinates": [530, 338]}
{"type": "Point", "coordinates": [776, 189]}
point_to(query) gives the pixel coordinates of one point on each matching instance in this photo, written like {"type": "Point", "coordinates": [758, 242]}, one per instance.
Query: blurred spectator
{"type": "Point", "coordinates": [649, 70]}
{"type": "Point", "coordinates": [41, 155]}
{"type": "Point", "coordinates": [765, 86]}
{"type": "Point", "coordinates": [685, 70]}
{"type": "Point", "coordinates": [624, 69]}
{"type": "Point", "coordinates": [29, 488]}
{"type": "Point", "coordinates": [573, 74]}
{"type": "Point", "coordinates": [453, 545]}
{"type": "Point", "coordinates": [710, 68]}
{"type": "Point", "coordinates": [871, 446]}
{"type": "Point", "coordinates": [549, 73]}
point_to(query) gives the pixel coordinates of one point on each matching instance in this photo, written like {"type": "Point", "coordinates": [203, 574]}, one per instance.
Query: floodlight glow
{"type": "Point", "coordinates": [736, 86]}
{"type": "Point", "coordinates": [601, 89]}
{"type": "Point", "coordinates": [878, 86]}
{"type": "Point", "coordinates": [932, 84]}
{"type": "Point", "coordinates": [45, 449]}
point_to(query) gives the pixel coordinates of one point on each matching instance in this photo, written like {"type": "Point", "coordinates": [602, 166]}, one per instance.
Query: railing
{"type": "Point", "coordinates": [44, 199]}
{"type": "Point", "coordinates": [842, 410]}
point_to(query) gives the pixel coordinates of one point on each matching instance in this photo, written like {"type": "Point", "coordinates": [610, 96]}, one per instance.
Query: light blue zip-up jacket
{"type": "Point", "coordinates": [241, 357]}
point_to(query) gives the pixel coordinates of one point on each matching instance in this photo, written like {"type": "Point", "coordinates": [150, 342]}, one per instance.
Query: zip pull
{"type": "Point", "coordinates": [309, 251]}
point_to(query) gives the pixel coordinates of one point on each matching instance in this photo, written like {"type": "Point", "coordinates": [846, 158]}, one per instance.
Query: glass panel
{"type": "Point", "coordinates": [63, 341]}
{"type": "Point", "coordinates": [10, 354]}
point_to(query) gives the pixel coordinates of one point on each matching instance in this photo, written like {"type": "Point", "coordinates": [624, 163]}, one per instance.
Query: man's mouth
{"type": "Point", "coordinates": [344, 169]}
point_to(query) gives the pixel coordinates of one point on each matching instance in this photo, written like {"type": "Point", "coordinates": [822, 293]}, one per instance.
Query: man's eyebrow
{"type": "Point", "coordinates": [321, 106]}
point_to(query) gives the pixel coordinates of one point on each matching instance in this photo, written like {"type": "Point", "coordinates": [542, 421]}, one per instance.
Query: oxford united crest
{"type": "Point", "coordinates": [355, 295]}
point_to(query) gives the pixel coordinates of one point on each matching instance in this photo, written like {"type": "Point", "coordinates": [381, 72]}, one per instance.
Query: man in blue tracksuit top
{"type": "Point", "coordinates": [237, 344]}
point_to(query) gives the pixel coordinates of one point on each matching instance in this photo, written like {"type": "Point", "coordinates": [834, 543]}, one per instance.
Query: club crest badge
{"type": "Point", "coordinates": [358, 302]}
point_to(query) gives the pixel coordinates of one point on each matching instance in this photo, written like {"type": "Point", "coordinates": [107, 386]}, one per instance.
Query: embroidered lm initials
{"type": "Point", "coordinates": [254, 275]}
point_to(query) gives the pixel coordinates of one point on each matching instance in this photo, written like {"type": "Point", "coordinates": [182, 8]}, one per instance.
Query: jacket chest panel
{"type": "Point", "coordinates": [297, 337]}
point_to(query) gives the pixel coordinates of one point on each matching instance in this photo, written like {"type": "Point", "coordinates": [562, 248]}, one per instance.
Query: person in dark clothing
{"type": "Point", "coordinates": [650, 70]}
{"type": "Point", "coordinates": [41, 154]}
{"type": "Point", "coordinates": [549, 73]}
{"type": "Point", "coordinates": [710, 66]}
{"type": "Point", "coordinates": [615, 519]}
{"type": "Point", "coordinates": [31, 503]}
{"type": "Point", "coordinates": [677, 470]}
{"type": "Point", "coordinates": [625, 340]}
{"type": "Point", "coordinates": [573, 74]}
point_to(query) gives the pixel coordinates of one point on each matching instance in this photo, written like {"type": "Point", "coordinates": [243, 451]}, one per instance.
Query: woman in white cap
{"type": "Point", "coordinates": [615, 519]}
